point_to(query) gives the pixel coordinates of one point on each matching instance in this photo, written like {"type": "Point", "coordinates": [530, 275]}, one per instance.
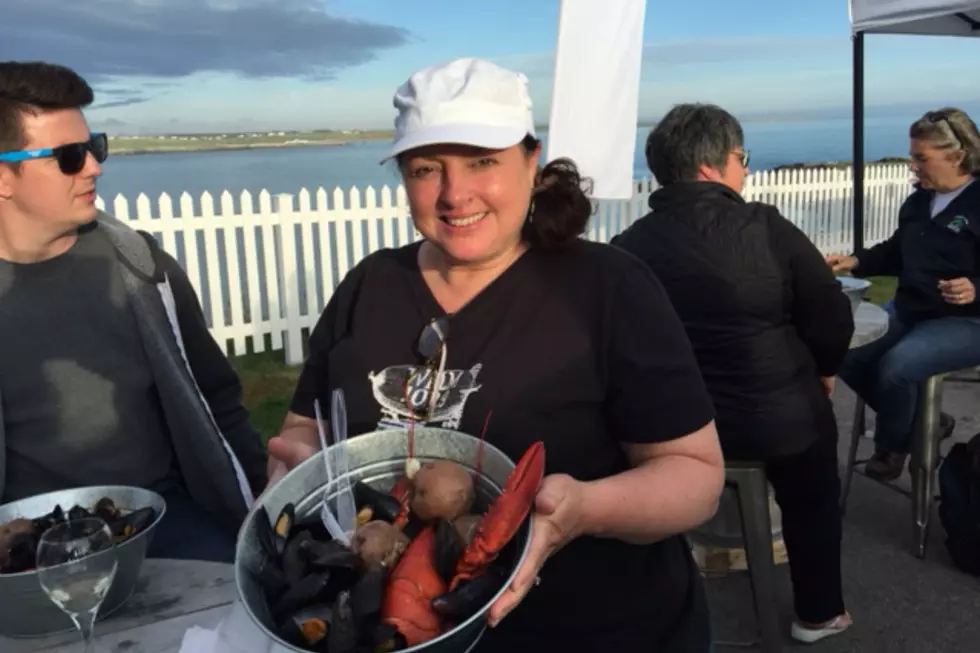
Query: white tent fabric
{"type": "Point", "coordinates": [595, 97]}
{"type": "Point", "coordinates": [927, 17]}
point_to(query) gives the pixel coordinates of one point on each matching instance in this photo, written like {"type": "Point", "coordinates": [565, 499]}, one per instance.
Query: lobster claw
{"type": "Point", "coordinates": [505, 516]}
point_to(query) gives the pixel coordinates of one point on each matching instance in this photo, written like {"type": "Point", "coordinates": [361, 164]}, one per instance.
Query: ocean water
{"type": "Point", "coordinates": [287, 170]}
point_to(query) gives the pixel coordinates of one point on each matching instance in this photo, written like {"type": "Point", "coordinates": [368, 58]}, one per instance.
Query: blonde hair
{"type": "Point", "coordinates": [950, 129]}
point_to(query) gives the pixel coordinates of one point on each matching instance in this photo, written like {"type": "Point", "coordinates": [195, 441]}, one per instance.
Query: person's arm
{"type": "Point", "coordinates": [821, 311]}
{"type": "Point", "coordinates": [885, 258]}
{"type": "Point", "coordinates": [663, 416]}
{"type": "Point", "coordinates": [215, 377]}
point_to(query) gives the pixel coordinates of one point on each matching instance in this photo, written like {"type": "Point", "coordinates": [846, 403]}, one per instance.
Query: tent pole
{"type": "Point", "coordinates": [857, 160]}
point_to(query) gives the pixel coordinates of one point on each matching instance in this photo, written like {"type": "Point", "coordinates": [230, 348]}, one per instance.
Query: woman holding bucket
{"type": "Point", "coordinates": [566, 341]}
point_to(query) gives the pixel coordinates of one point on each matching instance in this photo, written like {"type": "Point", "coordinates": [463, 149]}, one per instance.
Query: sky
{"type": "Point", "coordinates": [230, 65]}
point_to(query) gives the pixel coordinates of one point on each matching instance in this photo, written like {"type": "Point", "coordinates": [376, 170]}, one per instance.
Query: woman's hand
{"type": "Point", "coordinates": [958, 291]}
{"type": "Point", "coordinates": [296, 442]}
{"type": "Point", "coordinates": [841, 262]}
{"type": "Point", "coordinates": [555, 521]}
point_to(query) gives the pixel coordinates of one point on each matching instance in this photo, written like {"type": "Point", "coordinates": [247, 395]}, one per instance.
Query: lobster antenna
{"type": "Point", "coordinates": [479, 450]}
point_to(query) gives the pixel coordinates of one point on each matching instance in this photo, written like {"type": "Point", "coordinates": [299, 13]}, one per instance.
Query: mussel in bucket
{"type": "Point", "coordinates": [19, 537]}
{"type": "Point", "coordinates": [419, 563]}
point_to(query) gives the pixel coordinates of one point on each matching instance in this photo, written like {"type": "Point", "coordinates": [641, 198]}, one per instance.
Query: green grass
{"type": "Point", "coordinates": [267, 388]}
{"type": "Point", "coordinates": [268, 383]}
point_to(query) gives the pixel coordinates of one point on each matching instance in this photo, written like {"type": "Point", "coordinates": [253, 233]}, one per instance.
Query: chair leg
{"type": "Point", "coordinates": [857, 432]}
{"type": "Point", "coordinates": [753, 503]}
{"type": "Point", "coordinates": [925, 449]}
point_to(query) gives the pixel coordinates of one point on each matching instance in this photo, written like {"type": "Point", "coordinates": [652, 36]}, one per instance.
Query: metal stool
{"type": "Point", "coordinates": [748, 480]}
{"type": "Point", "coordinates": [924, 457]}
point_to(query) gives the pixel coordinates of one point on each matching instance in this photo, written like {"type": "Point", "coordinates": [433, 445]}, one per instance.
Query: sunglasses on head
{"type": "Point", "coordinates": [936, 117]}
{"type": "Point", "coordinates": [70, 157]}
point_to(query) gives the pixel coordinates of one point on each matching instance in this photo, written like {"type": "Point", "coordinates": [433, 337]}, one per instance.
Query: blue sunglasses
{"type": "Point", "coordinates": [71, 156]}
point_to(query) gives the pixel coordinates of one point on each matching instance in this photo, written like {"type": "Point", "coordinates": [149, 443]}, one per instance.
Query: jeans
{"type": "Point", "coordinates": [188, 532]}
{"type": "Point", "coordinates": [886, 373]}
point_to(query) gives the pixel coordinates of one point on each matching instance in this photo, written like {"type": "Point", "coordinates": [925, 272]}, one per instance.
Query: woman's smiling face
{"type": "Point", "coordinates": [469, 202]}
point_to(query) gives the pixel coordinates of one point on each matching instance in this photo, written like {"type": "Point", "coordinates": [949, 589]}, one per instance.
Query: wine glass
{"type": "Point", "coordinates": [76, 564]}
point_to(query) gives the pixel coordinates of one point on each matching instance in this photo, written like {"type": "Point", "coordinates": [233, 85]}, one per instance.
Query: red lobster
{"type": "Point", "coordinates": [414, 581]}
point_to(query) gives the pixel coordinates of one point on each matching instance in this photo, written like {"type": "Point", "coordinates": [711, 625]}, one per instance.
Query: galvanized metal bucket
{"type": "Point", "coordinates": [378, 459]}
{"type": "Point", "coordinates": [27, 610]}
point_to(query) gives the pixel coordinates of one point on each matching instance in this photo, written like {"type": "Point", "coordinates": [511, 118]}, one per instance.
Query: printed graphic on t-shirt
{"type": "Point", "coordinates": [403, 391]}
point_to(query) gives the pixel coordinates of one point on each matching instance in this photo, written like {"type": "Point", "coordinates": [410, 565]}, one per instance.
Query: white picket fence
{"type": "Point", "coordinates": [265, 269]}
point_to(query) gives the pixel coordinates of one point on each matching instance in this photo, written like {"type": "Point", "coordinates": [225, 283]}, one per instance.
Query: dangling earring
{"type": "Point", "coordinates": [530, 211]}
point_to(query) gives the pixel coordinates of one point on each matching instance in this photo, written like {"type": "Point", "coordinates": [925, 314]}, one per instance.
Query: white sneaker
{"type": "Point", "coordinates": [809, 635]}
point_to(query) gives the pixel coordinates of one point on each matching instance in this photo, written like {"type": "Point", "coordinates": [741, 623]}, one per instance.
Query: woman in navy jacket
{"type": "Point", "coordinates": [935, 253]}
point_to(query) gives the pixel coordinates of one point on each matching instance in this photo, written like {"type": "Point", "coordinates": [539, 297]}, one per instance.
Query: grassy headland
{"type": "Point", "coordinates": [239, 141]}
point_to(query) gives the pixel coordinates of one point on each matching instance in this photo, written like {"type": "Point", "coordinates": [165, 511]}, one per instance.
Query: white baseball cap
{"type": "Point", "coordinates": [467, 101]}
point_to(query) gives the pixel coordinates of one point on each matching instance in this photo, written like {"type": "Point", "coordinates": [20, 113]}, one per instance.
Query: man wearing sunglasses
{"type": "Point", "coordinates": [108, 374]}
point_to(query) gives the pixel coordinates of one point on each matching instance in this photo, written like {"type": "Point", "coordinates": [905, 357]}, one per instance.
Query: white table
{"type": "Point", "coordinates": [870, 323]}
{"type": "Point", "coordinates": [172, 596]}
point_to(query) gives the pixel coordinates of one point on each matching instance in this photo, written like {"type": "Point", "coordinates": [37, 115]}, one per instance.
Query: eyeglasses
{"type": "Point", "coordinates": [432, 347]}
{"type": "Point", "coordinates": [936, 117]}
{"type": "Point", "coordinates": [71, 157]}
{"type": "Point", "coordinates": [743, 157]}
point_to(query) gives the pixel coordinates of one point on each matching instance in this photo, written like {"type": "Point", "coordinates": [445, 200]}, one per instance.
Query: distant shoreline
{"type": "Point", "coordinates": [838, 165]}
{"type": "Point", "coordinates": [135, 146]}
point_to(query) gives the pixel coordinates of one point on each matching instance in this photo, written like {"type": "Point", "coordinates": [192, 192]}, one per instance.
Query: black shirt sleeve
{"type": "Point", "coordinates": [332, 325]}
{"type": "Point", "coordinates": [655, 389]}
{"type": "Point", "coordinates": [821, 312]}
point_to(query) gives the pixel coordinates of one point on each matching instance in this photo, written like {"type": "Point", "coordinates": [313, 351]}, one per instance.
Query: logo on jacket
{"type": "Point", "coordinates": [957, 224]}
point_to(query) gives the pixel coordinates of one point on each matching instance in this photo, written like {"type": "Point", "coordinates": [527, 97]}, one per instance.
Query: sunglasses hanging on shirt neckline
{"type": "Point", "coordinates": [432, 347]}
{"type": "Point", "coordinates": [70, 157]}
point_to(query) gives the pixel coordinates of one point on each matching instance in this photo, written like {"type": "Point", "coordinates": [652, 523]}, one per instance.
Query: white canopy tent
{"type": "Point", "coordinates": [924, 17]}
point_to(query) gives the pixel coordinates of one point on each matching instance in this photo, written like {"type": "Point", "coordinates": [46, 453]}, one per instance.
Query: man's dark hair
{"type": "Point", "coordinates": [689, 136]}
{"type": "Point", "coordinates": [32, 87]}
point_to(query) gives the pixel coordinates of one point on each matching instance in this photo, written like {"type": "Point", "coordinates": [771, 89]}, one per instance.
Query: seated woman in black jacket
{"type": "Point", "coordinates": [935, 253]}
{"type": "Point", "coordinates": [769, 325]}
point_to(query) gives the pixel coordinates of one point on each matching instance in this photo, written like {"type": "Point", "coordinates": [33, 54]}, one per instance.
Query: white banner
{"type": "Point", "coordinates": [596, 91]}
{"type": "Point", "coordinates": [937, 17]}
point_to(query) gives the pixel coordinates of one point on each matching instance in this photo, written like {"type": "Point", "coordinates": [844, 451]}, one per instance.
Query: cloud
{"type": "Point", "coordinates": [698, 52]}
{"type": "Point", "coordinates": [110, 40]}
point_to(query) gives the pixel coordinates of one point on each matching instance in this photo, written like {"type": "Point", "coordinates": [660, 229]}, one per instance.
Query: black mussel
{"type": "Point", "coordinates": [385, 638]}
{"type": "Point", "coordinates": [447, 547]}
{"type": "Point", "coordinates": [313, 524]}
{"type": "Point", "coordinates": [43, 523]}
{"type": "Point", "coordinates": [273, 536]}
{"type": "Point", "coordinates": [470, 595]}
{"type": "Point", "coordinates": [294, 557]}
{"type": "Point", "coordinates": [344, 633]}
{"type": "Point", "coordinates": [383, 506]}
{"type": "Point", "coordinates": [306, 592]}
{"type": "Point", "coordinates": [413, 527]}
{"type": "Point", "coordinates": [270, 577]}
{"type": "Point", "coordinates": [331, 555]}
{"type": "Point", "coordinates": [105, 509]}
{"type": "Point", "coordinates": [308, 627]}
{"type": "Point", "coordinates": [132, 523]}
{"type": "Point", "coordinates": [367, 594]}
{"type": "Point", "coordinates": [78, 512]}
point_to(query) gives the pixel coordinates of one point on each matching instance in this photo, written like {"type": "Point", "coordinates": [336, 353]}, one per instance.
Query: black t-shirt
{"type": "Point", "coordinates": [578, 348]}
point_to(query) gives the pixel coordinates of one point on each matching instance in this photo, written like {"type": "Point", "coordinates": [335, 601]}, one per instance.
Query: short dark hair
{"type": "Point", "coordinates": [689, 136]}
{"type": "Point", "coordinates": [32, 87]}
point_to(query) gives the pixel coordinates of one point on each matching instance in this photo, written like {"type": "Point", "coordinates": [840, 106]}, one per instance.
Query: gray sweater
{"type": "Point", "coordinates": [221, 457]}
